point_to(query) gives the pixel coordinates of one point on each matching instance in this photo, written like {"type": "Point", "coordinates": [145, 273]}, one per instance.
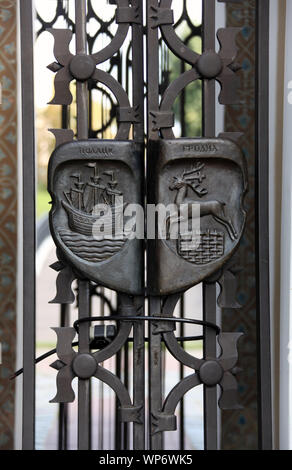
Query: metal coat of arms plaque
{"type": "Point", "coordinates": [92, 183]}
{"type": "Point", "coordinates": [204, 179]}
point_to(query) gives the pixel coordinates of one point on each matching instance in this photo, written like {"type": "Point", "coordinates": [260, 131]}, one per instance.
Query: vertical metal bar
{"type": "Point", "coordinates": [210, 393]}
{"type": "Point", "coordinates": [118, 427]}
{"type": "Point", "coordinates": [183, 103]}
{"type": "Point", "coordinates": [181, 376]}
{"type": "Point", "coordinates": [101, 389]}
{"type": "Point", "coordinates": [155, 376]}
{"type": "Point", "coordinates": [63, 407]}
{"type": "Point", "coordinates": [28, 171]}
{"type": "Point", "coordinates": [64, 117]}
{"type": "Point", "coordinates": [83, 385]}
{"type": "Point", "coordinates": [64, 321]}
{"type": "Point", "coordinates": [152, 69]}
{"type": "Point", "coordinates": [139, 383]}
{"type": "Point", "coordinates": [208, 39]}
{"type": "Point", "coordinates": [262, 217]}
{"type": "Point", "coordinates": [209, 290]}
{"type": "Point", "coordinates": [84, 407]}
{"type": "Point", "coordinates": [155, 384]}
{"type": "Point", "coordinates": [82, 87]}
{"type": "Point", "coordinates": [119, 367]}
{"type": "Point", "coordinates": [62, 426]}
{"type": "Point", "coordinates": [138, 327]}
{"type": "Point", "coordinates": [126, 382]}
{"type": "Point", "coordinates": [138, 71]}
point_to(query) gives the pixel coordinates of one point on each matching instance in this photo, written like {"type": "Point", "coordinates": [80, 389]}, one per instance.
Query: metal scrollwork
{"type": "Point", "coordinates": [82, 67]}
{"type": "Point", "coordinates": [209, 371]}
{"type": "Point", "coordinates": [71, 364]}
{"type": "Point", "coordinates": [190, 173]}
{"type": "Point", "coordinates": [209, 65]}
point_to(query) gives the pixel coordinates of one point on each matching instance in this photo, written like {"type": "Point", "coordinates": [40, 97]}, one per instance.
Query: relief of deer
{"type": "Point", "coordinates": [193, 179]}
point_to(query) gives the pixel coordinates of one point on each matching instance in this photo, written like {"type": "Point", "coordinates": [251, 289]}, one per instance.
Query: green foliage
{"type": "Point", "coordinates": [42, 201]}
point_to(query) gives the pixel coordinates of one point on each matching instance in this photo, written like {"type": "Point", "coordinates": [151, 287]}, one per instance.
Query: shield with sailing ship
{"type": "Point", "coordinates": [90, 191]}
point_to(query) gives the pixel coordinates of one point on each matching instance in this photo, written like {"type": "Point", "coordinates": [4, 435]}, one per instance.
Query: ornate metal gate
{"type": "Point", "coordinates": [145, 165]}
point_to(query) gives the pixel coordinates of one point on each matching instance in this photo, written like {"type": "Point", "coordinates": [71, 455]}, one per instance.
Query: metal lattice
{"type": "Point", "coordinates": [115, 70]}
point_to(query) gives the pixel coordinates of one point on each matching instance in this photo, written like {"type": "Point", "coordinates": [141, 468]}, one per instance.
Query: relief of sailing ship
{"type": "Point", "coordinates": [83, 206]}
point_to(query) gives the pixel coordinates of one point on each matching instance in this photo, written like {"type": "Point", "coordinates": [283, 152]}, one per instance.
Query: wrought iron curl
{"type": "Point", "coordinates": [83, 67]}
{"type": "Point", "coordinates": [209, 65]}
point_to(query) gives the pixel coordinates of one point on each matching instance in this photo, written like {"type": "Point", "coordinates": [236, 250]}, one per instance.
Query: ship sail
{"type": "Point", "coordinates": [76, 193]}
{"type": "Point", "coordinates": [94, 233]}
{"type": "Point", "coordinates": [111, 190]}
{"type": "Point", "coordinates": [95, 191]}
{"type": "Point", "coordinates": [82, 203]}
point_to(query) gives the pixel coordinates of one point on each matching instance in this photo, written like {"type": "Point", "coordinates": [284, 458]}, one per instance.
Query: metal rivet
{"type": "Point", "coordinates": [84, 366]}
{"type": "Point", "coordinates": [209, 64]}
{"type": "Point", "coordinates": [211, 373]}
{"type": "Point", "coordinates": [82, 67]}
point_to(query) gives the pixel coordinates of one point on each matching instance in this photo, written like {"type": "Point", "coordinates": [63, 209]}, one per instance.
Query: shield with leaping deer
{"type": "Point", "coordinates": [202, 181]}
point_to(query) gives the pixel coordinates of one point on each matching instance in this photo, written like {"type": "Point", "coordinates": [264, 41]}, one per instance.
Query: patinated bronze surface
{"type": "Point", "coordinates": [212, 174]}
{"type": "Point", "coordinates": [85, 173]}
{"type": "Point", "coordinates": [91, 183]}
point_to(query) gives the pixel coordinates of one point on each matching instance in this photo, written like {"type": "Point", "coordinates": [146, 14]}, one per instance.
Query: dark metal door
{"type": "Point", "coordinates": [146, 165]}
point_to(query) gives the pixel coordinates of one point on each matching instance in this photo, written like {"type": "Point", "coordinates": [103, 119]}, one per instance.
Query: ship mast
{"type": "Point", "coordinates": [111, 190]}
{"type": "Point", "coordinates": [96, 178]}
{"type": "Point", "coordinates": [78, 190]}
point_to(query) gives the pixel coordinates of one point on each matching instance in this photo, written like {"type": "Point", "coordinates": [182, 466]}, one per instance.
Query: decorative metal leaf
{"type": "Point", "coordinates": [228, 47]}
{"type": "Point", "coordinates": [64, 294]}
{"type": "Point", "coordinates": [65, 392]}
{"type": "Point", "coordinates": [62, 136]}
{"type": "Point", "coordinates": [62, 91]}
{"type": "Point", "coordinates": [229, 396]}
{"type": "Point", "coordinates": [62, 39]}
{"type": "Point", "coordinates": [65, 336]}
{"type": "Point", "coordinates": [229, 82]}
{"type": "Point", "coordinates": [228, 343]}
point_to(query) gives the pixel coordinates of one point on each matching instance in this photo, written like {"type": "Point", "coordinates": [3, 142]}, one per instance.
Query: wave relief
{"type": "Point", "coordinates": [89, 248]}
